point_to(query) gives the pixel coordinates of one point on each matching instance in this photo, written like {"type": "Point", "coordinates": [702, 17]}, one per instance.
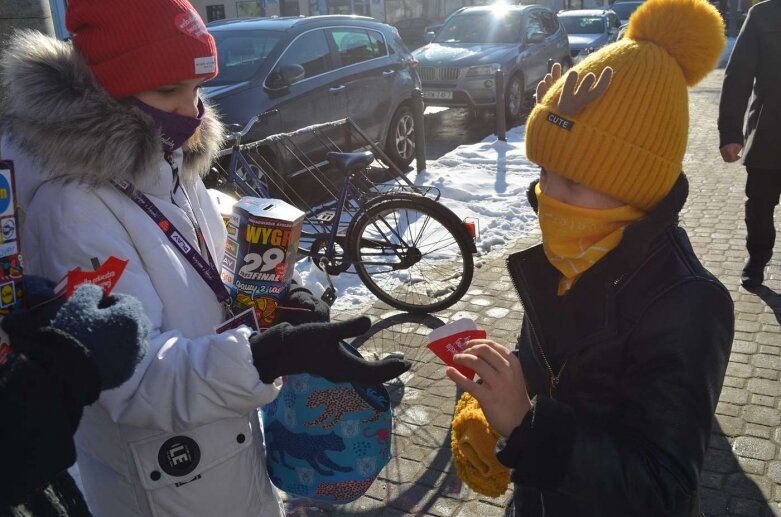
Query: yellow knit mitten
{"type": "Point", "coordinates": [473, 441]}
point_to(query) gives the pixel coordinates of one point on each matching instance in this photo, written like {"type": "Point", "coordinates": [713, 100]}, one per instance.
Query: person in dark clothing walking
{"type": "Point", "coordinates": [606, 406]}
{"type": "Point", "coordinates": [754, 66]}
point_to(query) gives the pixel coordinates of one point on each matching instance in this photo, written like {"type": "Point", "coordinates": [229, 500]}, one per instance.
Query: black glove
{"type": "Point", "coordinates": [316, 348]}
{"type": "Point", "coordinates": [114, 329]}
{"type": "Point", "coordinates": [300, 306]}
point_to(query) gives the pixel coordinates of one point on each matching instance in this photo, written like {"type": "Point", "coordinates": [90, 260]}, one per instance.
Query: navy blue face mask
{"type": "Point", "coordinates": [175, 129]}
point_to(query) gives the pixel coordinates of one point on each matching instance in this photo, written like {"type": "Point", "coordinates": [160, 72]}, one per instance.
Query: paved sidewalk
{"type": "Point", "coordinates": [742, 474]}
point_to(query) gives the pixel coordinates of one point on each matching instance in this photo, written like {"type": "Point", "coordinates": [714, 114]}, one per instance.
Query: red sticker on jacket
{"type": "Point", "coordinates": [106, 276]}
{"type": "Point", "coordinates": [448, 346]}
{"type": "Point", "coordinates": [5, 351]}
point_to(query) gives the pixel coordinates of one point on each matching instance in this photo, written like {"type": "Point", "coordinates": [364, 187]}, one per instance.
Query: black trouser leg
{"type": "Point", "coordinates": [763, 187]}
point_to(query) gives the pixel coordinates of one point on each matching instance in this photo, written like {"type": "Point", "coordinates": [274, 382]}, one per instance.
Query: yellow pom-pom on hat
{"type": "Point", "coordinates": [473, 442]}
{"type": "Point", "coordinates": [630, 141]}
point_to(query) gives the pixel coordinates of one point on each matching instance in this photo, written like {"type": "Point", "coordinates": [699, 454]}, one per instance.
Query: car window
{"type": "Point", "coordinates": [481, 27]}
{"type": "Point", "coordinates": [357, 45]}
{"type": "Point", "coordinates": [311, 51]}
{"type": "Point", "coordinates": [533, 25]}
{"type": "Point", "coordinates": [240, 53]}
{"type": "Point", "coordinates": [624, 10]}
{"type": "Point", "coordinates": [379, 45]}
{"type": "Point", "coordinates": [614, 21]}
{"type": "Point", "coordinates": [549, 22]}
{"type": "Point", "coordinates": [583, 24]}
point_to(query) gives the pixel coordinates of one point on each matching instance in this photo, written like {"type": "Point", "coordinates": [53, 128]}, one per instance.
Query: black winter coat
{"type": "Point", "coordinates": [44, 385]}
{"type": "Point", "coordinates": [627, 368]}
{"type": "Point", "coordinates": [755, 64]}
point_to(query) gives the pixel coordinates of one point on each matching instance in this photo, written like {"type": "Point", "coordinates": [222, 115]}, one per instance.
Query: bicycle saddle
{"type": "Point", "coordinates": [350, 161]}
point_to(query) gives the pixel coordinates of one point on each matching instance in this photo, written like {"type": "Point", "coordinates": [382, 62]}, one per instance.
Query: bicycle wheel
{"type": "Point", "coordinates": [412, 253]}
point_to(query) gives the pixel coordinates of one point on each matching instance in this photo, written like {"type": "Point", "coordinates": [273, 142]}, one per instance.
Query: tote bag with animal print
{"type": "Point", "coordinates": [327, 441]}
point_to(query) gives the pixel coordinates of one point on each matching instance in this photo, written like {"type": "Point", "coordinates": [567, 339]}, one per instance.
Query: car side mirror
{"type": "Point", "coordinates": [284, 76]}
{"type": "Point", "coordinates": [429, 36]}
{"type": "Point", "coordinates": [537, 37]}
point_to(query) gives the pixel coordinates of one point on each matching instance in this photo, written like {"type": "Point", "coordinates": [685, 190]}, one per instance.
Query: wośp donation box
{"type": "Point", "coordinates": [260, 254]}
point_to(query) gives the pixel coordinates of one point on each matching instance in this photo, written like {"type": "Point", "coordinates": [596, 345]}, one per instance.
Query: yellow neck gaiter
{"type": "Point", "coordinates": [575, 238]}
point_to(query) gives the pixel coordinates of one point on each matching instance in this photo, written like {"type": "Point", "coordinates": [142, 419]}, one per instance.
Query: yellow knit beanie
{"type": "Point", "coordinates": [473, 442]}
{"type": "Point", "coordinates": [629, 142]}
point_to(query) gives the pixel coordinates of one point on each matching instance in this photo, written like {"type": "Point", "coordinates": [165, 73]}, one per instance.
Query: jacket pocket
{"type": "Point", "coordinates": [207, 468]}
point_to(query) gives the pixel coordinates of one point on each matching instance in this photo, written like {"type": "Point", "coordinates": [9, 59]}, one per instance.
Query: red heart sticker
{"type": "Point", "coordinates": [106, 276]}
{"type": "Point", "coordinates": [448, 346]}
{"type": "Point", "coordinates": [192, 25]}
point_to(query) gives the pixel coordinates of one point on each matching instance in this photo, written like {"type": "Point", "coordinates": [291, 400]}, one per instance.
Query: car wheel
{"type": "Point", "coordinates": [400, 143]}
{"type": "Point", "coordinates": [513, 99]}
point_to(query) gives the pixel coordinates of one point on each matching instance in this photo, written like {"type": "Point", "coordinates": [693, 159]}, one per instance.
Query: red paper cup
{"type": "Point", "coordinates": [446, 347]}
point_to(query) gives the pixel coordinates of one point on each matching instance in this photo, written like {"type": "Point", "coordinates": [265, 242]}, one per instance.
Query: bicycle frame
{"type": "Point", "coordinates": [238, 159]}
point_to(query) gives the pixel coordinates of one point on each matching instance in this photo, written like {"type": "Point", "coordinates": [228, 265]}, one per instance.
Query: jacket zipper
{"type": "Point", "coordinates": [553, 378]}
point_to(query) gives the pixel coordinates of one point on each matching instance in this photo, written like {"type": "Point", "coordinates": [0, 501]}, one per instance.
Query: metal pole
{"type": "Point", "coordinates": [732, 24]}
{"type": "Point", "coordinates": [420, 129]}
{"type": "Point", "coordinates": [501, 123]}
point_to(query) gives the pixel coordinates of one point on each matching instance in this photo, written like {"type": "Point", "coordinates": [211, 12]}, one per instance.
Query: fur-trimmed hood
{"type": "Point", "coordinates": [57, 114]}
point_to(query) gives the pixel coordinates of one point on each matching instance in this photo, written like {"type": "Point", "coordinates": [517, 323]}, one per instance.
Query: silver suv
{"type": "Point", "coordinates": [458, 67]}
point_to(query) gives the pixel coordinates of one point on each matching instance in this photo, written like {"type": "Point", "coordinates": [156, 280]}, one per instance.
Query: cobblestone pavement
{"type": "Point", "coordinates": [742, 473]}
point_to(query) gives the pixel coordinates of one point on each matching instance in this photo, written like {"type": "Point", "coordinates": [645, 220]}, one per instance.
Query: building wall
{"type": "Point", "coordinates": [389, 11]}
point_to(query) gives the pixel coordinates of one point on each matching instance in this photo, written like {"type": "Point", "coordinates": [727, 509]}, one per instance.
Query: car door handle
{"type": "Point", "coordinates": [389, 73]}
{"type": "Point", "coordinates": [336, 89]}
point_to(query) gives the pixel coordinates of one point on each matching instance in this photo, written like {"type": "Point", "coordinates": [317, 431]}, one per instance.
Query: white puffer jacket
{"type": "Point", "coordinates": [181, 437]}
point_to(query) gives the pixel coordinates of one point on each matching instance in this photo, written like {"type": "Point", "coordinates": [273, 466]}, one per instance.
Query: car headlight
{"type": "Point", "coordinates": [482, 70]}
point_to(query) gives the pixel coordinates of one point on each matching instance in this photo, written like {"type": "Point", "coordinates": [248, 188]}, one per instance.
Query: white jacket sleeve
{"type": "Point", "coordinates": [181, 383]}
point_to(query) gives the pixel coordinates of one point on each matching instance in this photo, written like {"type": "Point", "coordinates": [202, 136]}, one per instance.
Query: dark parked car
{"type": "Point", "coordinates": [458, 67]}
{"type": "Point", "coordinates": [589, 29]}
{"type": "Point", "coordinates": [431, 32]}
{"type": "Point", "coordinates": [301, 71]}
{"type": "Point", "coordinates": [624, 9]}
{"type": "Point", "coordinates": [413, 31]}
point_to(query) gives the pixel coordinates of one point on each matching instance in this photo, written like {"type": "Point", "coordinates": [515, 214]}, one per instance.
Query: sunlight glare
{"type": "Point", "coordinates": [500, 8]}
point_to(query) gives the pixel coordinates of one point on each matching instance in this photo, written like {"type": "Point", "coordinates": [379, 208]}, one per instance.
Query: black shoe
{"type": "Point", "coordinates": [753, 275]}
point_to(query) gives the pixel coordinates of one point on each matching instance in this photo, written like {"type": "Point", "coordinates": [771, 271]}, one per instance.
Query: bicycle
{"type": "Point", "coordinates": [409, 250]}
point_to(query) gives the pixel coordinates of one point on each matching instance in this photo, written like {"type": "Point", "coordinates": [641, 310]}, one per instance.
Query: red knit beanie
{"type": "Point", "coordinates": [138, 45]}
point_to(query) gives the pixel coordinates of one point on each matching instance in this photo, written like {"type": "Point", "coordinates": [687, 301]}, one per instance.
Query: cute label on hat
{"type": "Point", "coordinates": [192, 25]}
